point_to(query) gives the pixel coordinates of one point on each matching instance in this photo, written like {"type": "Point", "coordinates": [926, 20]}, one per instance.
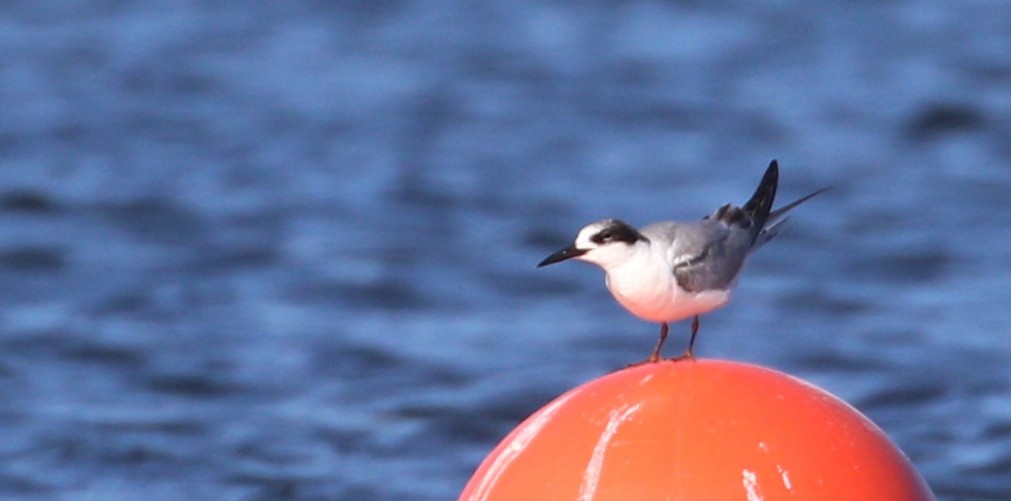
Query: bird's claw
{"type": "Point", "coordinates": [684, 356]}
{"type": "Point", "coordinates": [654, 359]}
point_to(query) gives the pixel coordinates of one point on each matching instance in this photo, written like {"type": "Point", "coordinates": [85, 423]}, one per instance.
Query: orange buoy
{"type": "Point", "coordinates": [696, 430]}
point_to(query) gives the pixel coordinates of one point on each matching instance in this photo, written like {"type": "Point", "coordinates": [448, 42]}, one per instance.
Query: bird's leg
{"type": "Point", "coordinates": [655, 356]}
{"type": "Point", "coordinates": [688, 354]}
{"type": "Point", "coordinates": [691, 340]}
{"type": "Point", "coordinates": [664, 329]}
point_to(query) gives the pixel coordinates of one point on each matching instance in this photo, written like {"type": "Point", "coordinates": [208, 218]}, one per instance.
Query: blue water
{"type": "Point", "coordinates": [287, 252]}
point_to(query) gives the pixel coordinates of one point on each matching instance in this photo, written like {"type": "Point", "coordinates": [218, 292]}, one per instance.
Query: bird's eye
{"type": "Point", "coordinates": [603, 236]}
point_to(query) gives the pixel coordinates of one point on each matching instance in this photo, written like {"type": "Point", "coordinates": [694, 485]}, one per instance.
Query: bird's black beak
{"type": "Point", "coordinates": [566, 253]}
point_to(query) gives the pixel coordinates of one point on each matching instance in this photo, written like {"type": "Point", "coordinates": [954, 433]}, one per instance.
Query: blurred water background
{"type": "Point", "coordinates": [260, 250]}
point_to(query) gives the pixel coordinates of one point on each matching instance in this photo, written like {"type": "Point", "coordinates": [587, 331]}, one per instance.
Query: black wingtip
{"type": "Point", "coordinates": [760, 203]}
{"type": "Point", "coordinates": [771, 175]}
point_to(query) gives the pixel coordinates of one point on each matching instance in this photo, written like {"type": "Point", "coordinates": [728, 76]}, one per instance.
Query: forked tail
{"type": "Point", "coordinates": [774, 223]}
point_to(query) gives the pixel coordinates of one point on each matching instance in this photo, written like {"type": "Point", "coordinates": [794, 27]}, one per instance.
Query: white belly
{"type": "Point", "coordinates": [663, 300]}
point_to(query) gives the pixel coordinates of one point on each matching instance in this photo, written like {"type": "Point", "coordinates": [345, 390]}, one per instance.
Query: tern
{"type": "Point", "coordinates": [671, 270]}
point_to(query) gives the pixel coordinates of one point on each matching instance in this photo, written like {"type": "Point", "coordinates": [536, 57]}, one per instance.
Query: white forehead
{"type": "Point", "coordinates": [583, 237]}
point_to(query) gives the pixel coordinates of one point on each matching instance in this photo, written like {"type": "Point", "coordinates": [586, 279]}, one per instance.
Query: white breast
{"type": "Point", "coordinates": [646, 287]}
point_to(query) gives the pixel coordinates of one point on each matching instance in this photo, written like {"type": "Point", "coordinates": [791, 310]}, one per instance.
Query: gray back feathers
{"type": "Point", "coordinates": [709, 254]}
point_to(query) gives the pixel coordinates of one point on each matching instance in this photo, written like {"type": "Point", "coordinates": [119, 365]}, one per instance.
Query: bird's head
{"type": "Point", "coordinates": [602, 243]}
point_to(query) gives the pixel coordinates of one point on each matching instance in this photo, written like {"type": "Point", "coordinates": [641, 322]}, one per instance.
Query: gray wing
{"type": "Point", "coordinates": [705, 255]}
